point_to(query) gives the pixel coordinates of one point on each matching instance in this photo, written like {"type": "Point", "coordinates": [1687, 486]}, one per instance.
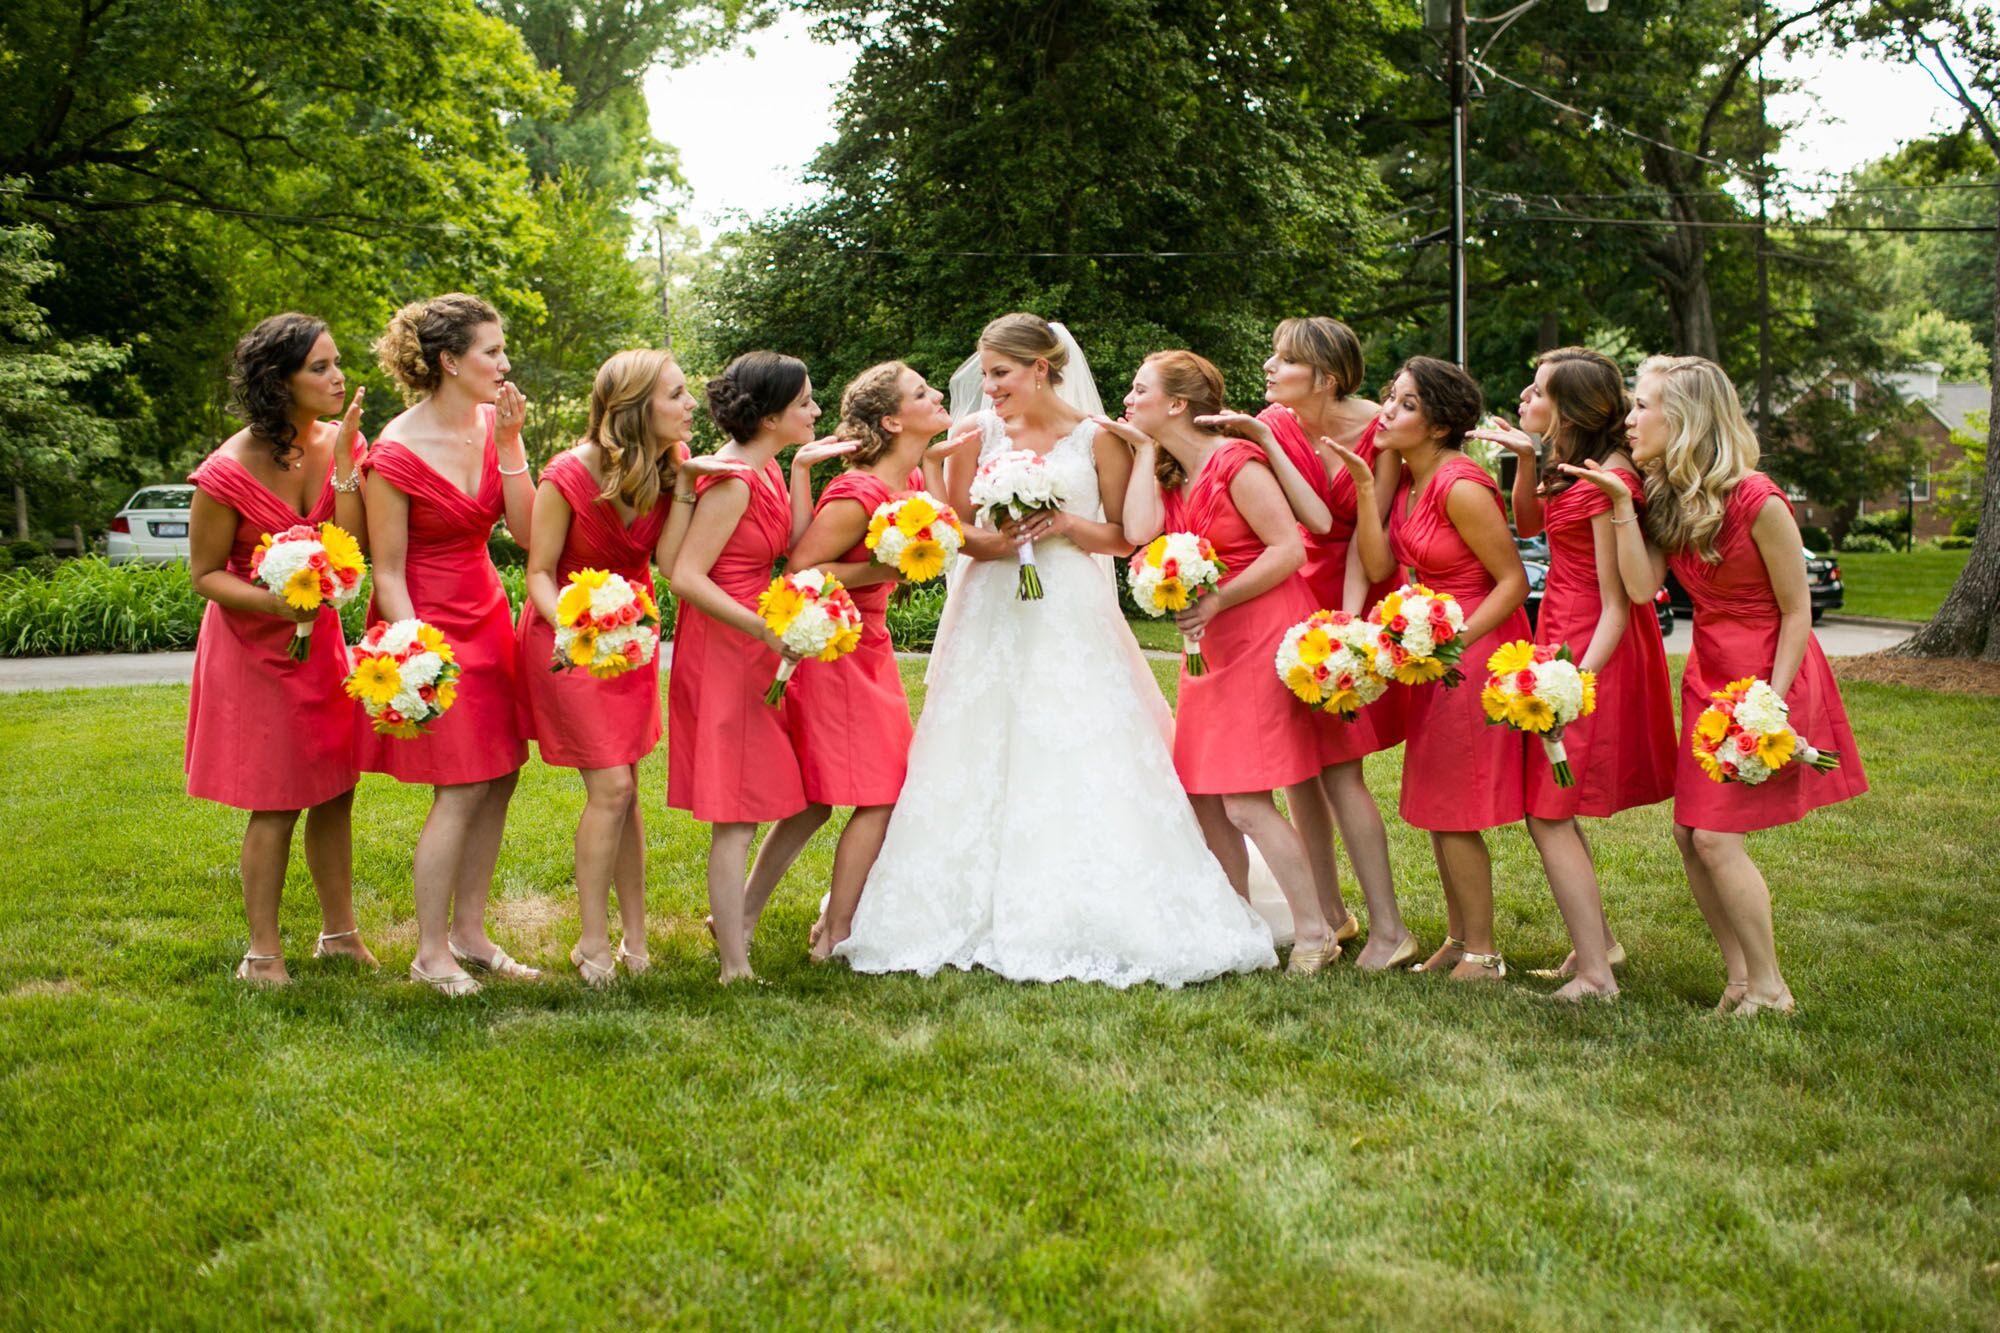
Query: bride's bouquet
{"type": "Point", "coordinates": [309, 567]}
{"type": "Point", "coordinates": [814, 617]}
{"type": "Point", "coordinates": [917, 535]}
{"type": "Point", "coordinates": [1422, 636]}
{"type": "Point", "coordinates": [1538, 689]}
{"type": "Point", "coordinates": [1327, 660]}
{"type": "Point", "coordinates": [405, 676]}
{"type": "Point", "coordinates": [1015, 484]}
{"type": "Point", "coordinates": [1174, 569]}
{"type": "Point", "coordinates": [1746, 735]}
{"type": "Point", "coordinates": [604, 624]}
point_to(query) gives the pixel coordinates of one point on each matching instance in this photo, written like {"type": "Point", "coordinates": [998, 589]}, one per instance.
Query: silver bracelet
{"type": "Point", "coordinates": [351, 485]}
{"type": "Point", "coordinates": [516, 472]}
{"type": "Point", "coordinates": [1621, 522]}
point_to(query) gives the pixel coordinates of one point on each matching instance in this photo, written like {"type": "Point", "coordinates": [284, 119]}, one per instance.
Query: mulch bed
{"type": "Point", "coordinates": [1949, 675]}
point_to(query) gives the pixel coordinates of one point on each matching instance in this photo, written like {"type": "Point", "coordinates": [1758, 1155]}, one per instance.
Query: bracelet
{"type": "Point", "coordinates": [351, 485]}
{"type": "Point", "coordinates": [1621, 522]}
{"type": "Point", "coordinates": [516, 472]}
{"type": "Point", "coordinates": [680, 499]}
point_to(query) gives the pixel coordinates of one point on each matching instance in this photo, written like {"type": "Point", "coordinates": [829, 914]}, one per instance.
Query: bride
{"type": "Point", "coordinates": [1041, 832]}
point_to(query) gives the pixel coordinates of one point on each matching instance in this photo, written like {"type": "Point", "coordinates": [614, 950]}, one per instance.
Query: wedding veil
{"type": "Point", "coordinates": [1076, 388]}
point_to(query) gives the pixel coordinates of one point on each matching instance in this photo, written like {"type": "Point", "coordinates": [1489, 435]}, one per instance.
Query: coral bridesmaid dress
{"type": "Point", "coordinates": [1736, 635]}
{"type": "Point", "coordinates": [729, 757]}
{"type": "Point", "coordinates": [1237, 728]}
{"type": "Point", "coordinates": [578, 720]}
{"type": "Point", "coordinates": [1459, 774]}
{"type": "Point", "coordinates": [1382, 724]}
{"type": "Point", "coordinates": [1622, 754]}
{"type": "Point", "coordinates": [265, 732]}
{"type": "Point", "coordinates": [455, 588]}
{"type": "Point", "coordinates": [849, 718]}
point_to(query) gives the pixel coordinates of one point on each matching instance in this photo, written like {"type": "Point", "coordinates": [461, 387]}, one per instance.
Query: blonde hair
{"type": "Point", "coordinates": [1195, 379]}
{"type": "Point", "coordinates": [621, 425]}
{"type": "Point", "coordinates": [1710, 448]}
{"type": "Point", "coordinates": [412, 348]}
{"type": "Point", "coordinates": [1325, 344]}
{"type": "Point", "coordinates": [875, 393]}
{"type": "Point", "coordinates": [1026, 338]}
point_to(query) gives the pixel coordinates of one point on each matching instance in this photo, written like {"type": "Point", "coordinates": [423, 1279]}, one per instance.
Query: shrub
{"type": "Point", "coordinates": [1954, 542]}
{"type": "Point", "coordinates": [1866, 543]}
{"type": "Point", "coordinates": [1965, 525]}
{"type": "Point", "coordinates": [25, 550]}
{"type": "Point", "coordinates": [1816, 538]}
{"type": "Point", "coordinates": [913, 616]}
{"type": "Point", "coordinates": [505, 551]}
{"type": "Point", "coordinates": [89, 606]}
{"type": "Point", "coordinates": [1886, 524]}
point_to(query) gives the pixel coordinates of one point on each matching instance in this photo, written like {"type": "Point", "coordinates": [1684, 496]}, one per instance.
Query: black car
{"type": "Point", "coordinates": [1822, 580]}
{"type": "Point", "coordinates": [1538, 574]}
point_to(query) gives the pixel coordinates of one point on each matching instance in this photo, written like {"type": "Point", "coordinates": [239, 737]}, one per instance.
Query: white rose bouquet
{"type": "Point", "coordinates": [1015, 484]}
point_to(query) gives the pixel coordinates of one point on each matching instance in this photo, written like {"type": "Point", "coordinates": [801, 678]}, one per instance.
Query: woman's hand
{"type": "Point", "coordinates": [1603, 479]}
{"type": "Point", "coordinates": [510, 411]}
{"type": "Point", "coordinates": [1358, 468]}
{"type": "Point", "coordinates": [966, 436]}
{"type": "Point", "coordinates": [780, 647]}
{"type": "Point", "coordinates": [1034, 527]}
{"type": "Point", "coordinates": [284, 610]}
{"type": "Point", "coordinates": [1193, 621]}
{"type": "Point", "coordinates": [709, 465]}
{"type": "Point", "coordinates": [1134, 437]}
{"type": "Point", "coordinates": [1241, 427]}
{"type": "Point", "coordinates": [1497, 431]}
{"type": "Point", "coordinates": [820, 450]}
{"type": "Point", "coordinates": [350, 430]}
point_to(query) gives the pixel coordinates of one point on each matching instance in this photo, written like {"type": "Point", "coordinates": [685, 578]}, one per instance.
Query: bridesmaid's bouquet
{"type": "Point", "coordinates": [814, 617]}
{"type": "Point", "coordinates": [309, 567]}
{"type": "Point", "coordinates": [1421, 636]}
{"type": "Point", "coordinates": [405, 676]}
{"type": "Point", "coordinates": [605, 624]}
{"type": "Point", "coordinates": [1327, 660]}
{"type": "Point", "coordinates": [1174, 569]}
{"type": "Point", "coordinates": [1538, 689]}
{"type": "Point", "coordinates": [917, 535]}
{"type": "Point", "coordinates": [1746, 735]}
{"type": "Point", "coordinates": [1015, 484]}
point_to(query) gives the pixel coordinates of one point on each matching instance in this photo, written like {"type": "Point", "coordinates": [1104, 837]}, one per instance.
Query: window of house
{"type": "Point", "coordinates": [1843, 390]}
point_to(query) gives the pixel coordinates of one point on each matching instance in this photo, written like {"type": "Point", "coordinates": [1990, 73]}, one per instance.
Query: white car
{"type": "Point", "coordinates": [152, 528]}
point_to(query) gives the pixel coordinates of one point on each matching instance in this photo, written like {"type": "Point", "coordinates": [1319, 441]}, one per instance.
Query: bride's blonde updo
{"type": "Point", "coordinates": [1026, 338]}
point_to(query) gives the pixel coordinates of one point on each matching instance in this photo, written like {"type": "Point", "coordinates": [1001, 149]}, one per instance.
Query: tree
{"type": "Point", "coordinates": [1841, 453]}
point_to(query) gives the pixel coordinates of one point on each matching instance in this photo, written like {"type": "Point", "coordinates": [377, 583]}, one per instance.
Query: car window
{"type": "Point", "coordinates": [163, 497]}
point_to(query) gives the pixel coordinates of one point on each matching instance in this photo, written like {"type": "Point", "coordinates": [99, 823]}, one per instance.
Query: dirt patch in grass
{"type": "Point", "coordinates": [1948, 675]}
{"type": "Point", "coordinates": [36, 989]}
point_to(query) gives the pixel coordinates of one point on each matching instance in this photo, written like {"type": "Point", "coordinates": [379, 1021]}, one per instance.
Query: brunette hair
{"type": "Point", "coordinates": [412, 347]}
{"type": "Point", "coordinates": [1185, 375]}
{"type": "Point", "coordinates": [754, 386]}
{"type": "Point", "coordinates": [264, 359]}
{"type": "Point", "coordinates": [1325, 344]}
{"type": "Point", "coordinates": [621, 425]}
{"type": "Point", "coordinates": [1586, 391]}
{"type": "Point", "coordinates": [1450, 397]}
{"type": "Point", "coordinates": [875, 393]}
{"type": "Point", "coordinates": [1712, 447]}
{"type": "Point", "coordinates": [1026, 338]}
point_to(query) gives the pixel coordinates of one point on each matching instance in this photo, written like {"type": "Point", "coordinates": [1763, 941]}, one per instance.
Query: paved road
{"type": "Point", "coordinates": [97, 670]}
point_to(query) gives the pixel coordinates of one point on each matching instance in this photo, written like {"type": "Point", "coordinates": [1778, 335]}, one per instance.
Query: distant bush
{"type": "Point", "coordinates": [1965, 525]}
{"type": "Point", "coordinates": [1816, 538]}
{"type": "Point", "coordinates": [1867, 543]}
{"type": "Point", "coordinates": [1954, 542]}
{"type": "Point", "coordinates": [89, 606]}
{"type": "Point", "coordinates": [1886, 524]}
{"type": "Point", "coordinates": [25, 550]}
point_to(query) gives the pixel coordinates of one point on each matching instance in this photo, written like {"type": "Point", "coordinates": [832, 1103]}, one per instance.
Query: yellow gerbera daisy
{"type": "Point", "coordinates": [1315, 646]}
{"type": "Point", "coordinates": [915, 514]}
{"type": "Point", "coordinates": [922, 560]}
{"type": "Point", "coordinates": [1342, 701]}
{"type": "Point", "coordinates": [375, 680]}
{"type": "Point", "coordinates": [1589, 679]}
{"type": "Point", "coordinates": [583, 648]}
{"type": "Point", "coordinates": [877, 525]}
{"type": "Point", "coordinates": [572, 602]}
{"type": "Point", "coordinates": [341, 548]}
{"type": "Point", "coordinates": [433, 642]}
{"type": "Point", "coordinates": [1708, 764]}
{"type": "Point", "coordinates": [1171, 594]}
{"type": "Point", "coordinates": [1775, 748]}
{"type": "Point", "coordinates": [1156, 552]}
{"type": "Point", "coordinates": [447, 694]}
{"type": "Point", "coordinates": [844, 642]}
{"type": "Point", "coordinates": [1494, 702]}
{"type": "Point", "coordinates": [1711, 726]}
{"type": "Point", "coordinates": [1511, 657]}
{"type": "Point", "coordinates": [1304, 684]}
{"type": "Point", "coordinates": [590, 578]}
{"type": "Point", "coordinates": [1530, 714]}
{"type": "Point", "coordinates": [779, 604]}
{"type": "Point", "coordinates": [1418, 670]}
{"type": "Point", "coordinates": [302, 589]}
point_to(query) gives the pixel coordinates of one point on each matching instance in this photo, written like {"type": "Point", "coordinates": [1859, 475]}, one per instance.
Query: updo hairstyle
{"type": "Point", "coordinates": [412, 348]}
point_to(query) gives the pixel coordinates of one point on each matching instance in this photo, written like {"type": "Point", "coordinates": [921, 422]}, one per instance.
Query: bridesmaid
{"type": "Point", "coordinates": [1311, 381]}
{"type": "Point", "coordinates": [849, 719]}
{"type": "Point", "coordinates": [1727, 532]}
{"type": "Point", "coordinates": [1446, 524]}
{"type": "Point", "coordinates": [1622, 754]}
{"type": "Point", "coordinates": [607, 504]}
{"type": "Point", "coordinates": [1238, 732]}
{"type": "Point", "coordinates": [730, 761]}
{"type": "Point", "coordinates": [439, 477]}
{"type": "Point", "coordinates": [266, 734]}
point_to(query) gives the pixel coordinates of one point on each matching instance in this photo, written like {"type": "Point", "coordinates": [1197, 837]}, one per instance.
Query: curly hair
{"type": "Point", "coordinates": [1586, 390]}
{"type": "Point", "coordinates": [754, 386]}
{"type": "Point", "coordinates": [875, 393]}
{"type": "Point", "coordinates": [1711, 448]}
{"type": "Point", "coordinates": [621, 426]}
{"type": "Point", "coordinates": [1450, 398]}
{"type": "Point", "coordinates": [264, 359]}
{"type": "Point", "coordinates": [419, 335]}
{"type": "Point", "coordinates": [1194, 379]}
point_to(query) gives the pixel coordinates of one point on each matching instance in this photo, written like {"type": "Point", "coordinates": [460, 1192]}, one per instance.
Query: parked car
{"type": "Point", "coordinates": [1533, 548]}
{"type": "Point", "coordinates": [152, 528]}
{"type": "Point", "coordinates": [1822, 580]}
{"type": "Point", "coordinates": [1538, 574]}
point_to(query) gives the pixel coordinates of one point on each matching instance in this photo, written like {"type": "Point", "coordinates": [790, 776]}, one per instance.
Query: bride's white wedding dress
{"type": "Point", "coordinates": [1041, 832]}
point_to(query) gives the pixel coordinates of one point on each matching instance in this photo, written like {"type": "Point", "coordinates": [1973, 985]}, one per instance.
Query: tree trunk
{"type": "Point", "coordinates": [20, 512]}
{"type": "Point", "coordinates": [1681, 258]}
{"type": "Point", "coordinates": [1968, 624]}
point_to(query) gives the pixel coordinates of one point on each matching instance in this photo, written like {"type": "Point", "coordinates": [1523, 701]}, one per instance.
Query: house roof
{"type": "Point", "coordinates": [1955, 404]}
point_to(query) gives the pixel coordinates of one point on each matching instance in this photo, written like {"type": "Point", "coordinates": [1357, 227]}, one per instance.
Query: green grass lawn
{"type": "Point", "coordinates": [837, 1150]}
{"type": "Point", "coordinates": [1899, 585]}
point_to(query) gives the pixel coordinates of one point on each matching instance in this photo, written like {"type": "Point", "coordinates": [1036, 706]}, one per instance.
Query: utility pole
{"type": "Point", "coordinates": [666, 312]}
{"type": "Point", "coordinates": [1455, 75]}
{"type": "Point", "coordinates": [1763, 247]}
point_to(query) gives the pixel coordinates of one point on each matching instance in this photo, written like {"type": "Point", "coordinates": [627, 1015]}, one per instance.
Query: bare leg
{"type": "Point", "coordinates": [1467, 871]}
{"type": "Point", "coordinates": [474, 880]}
{"type": "Point", "coordinates": [267, 850]}
{"type": "Point", "coordinates": [1254, 814]}
{"type": "Point", "coordinates": [441, 850]}
{"type": "Point", "coordinates": [782, 845]}
{"type": "Point", "coordinates": [330, 857]}
{"type": "Point", "coordinates": [1709, 900]}
{"type": "Point", "coordinates": [1746, 904]}
{"type": "Point", "coordinates": [854, 856]}
{"type": "Point", "coordinates": [1312, 816]}
{"type": "Point", "coordinates": [630, 879]}
{"type": "Point", "coordinates": [728, 852]}
{"type": "Point", "coordinates": [1225, 842]}
{"type": "Point", "coordinates": [1573, 881]}
{"type": "Point", "coordinates": [1367, 843]}
{"type": "Point", "coordinates": [610, 794]}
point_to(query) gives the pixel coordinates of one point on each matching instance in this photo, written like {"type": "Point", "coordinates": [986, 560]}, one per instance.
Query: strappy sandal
{"type": "Point", "coordinates": [1492, 962]}
{"type": "Point", "coordinates": [499, 965]}
{"type": "Point", "coordinates": [1450, 942]}
{"type": "Point", "coordinates": [1613, 957]}
{"type": "Point", "coordinates": [636, 964]}
{"type": "Point", "coordinates": [243, 969]}
{"type": "Point", "coordinates": [453, 984]}
{"type": "Point", "coordinates": [597, 976]}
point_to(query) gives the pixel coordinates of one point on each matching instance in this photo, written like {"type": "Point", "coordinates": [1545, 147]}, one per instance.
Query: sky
{"type": "Point", "coordinates": [748, 120]}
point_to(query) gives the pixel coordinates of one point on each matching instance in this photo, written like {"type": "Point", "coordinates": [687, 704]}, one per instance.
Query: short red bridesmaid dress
{"type": "Point", "coordinates": [729, 756]}
{"type": "Point", "coordinates": [1736, 635]}
{"type": "Point", "coordinates": [1623, 753]}
{"type": "Point", "coordinates": [455, 588]}
{"type": "Point", "coordinates": [265, 732]}
{"type": "Point", "coordinates": [578, 720]}
{"type": "Point", "coordinates": [1459, 774]}
{"type": "Point", "coordinates": [1237, 728]}
{"type": "Point", "coordinates": [849, 718]}
{"type": "Point", "coordinates": [1381, 725]}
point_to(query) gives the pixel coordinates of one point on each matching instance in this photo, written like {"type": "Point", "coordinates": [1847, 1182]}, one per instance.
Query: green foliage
{"type": "Point", "coordinates": [1815, 537]}
{"type": "Point", "coordinates": [1842, 456]}
{"type": "Point", "coordinates": [1886, 523]}
{"type": "Point", "coordinates": [1953, 542]}
{"type": "Point", "coordinates": [1866, 543]}
{"type": "Point", "coordinates": [1961, 487]}
{"type": "Point", "coordinates": [913, 616]}
{"type": "Point", "coordinates": [88, 606]}
{"type": "Point", "coordinates": [1965, 525]}
{"type": "Point", "coordinates": [1933, 336]}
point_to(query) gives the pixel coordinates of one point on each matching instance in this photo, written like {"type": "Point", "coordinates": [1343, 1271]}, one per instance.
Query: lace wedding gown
{"type": "Point", "coordinates": [1041, 831]}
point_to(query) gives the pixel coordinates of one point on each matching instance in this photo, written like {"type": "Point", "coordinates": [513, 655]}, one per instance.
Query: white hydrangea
{"type": "Point", "coordinates": [1762, 711]}
{"type": "Point", "coordinates": [422, 669]}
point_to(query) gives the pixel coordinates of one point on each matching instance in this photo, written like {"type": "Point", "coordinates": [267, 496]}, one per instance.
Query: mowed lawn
{"type": "Point", "coordinates": [1898, 585]}
{"type": "Point", "coordinates": [837, 1150]}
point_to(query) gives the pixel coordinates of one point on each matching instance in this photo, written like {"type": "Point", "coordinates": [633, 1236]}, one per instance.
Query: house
{"type": "Point", "coordinates": [1947, 407]}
